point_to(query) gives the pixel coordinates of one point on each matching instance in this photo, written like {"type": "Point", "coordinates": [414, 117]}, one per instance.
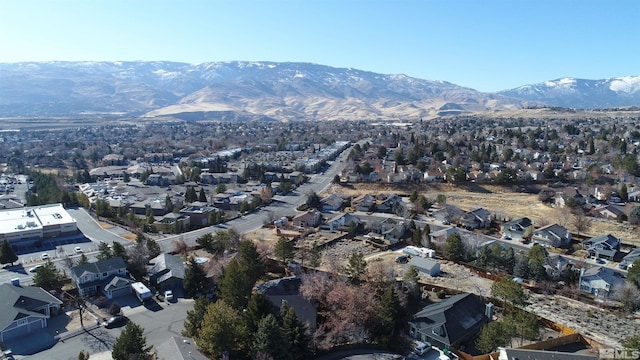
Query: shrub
{"type": "Point", "coordinates": [114, 309]}
{"type": "Point", "coordinates": [440, 294]}
{"type": "Point", "coordinates": [101, 302]}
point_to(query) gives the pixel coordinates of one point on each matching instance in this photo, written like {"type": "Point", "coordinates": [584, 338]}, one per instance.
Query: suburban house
{"type": "Point", "coordinates": [555, 265]}
{"type": "Point", "coordinates": [165, 272]}
{"type": "Point", "coordinates": [552, 235]}
{"type": "Point", "coordinates": [441, 236]}
{"type": "Point", "coordinates": [450, 322]}
{"type": "Point", "coordinates": [26, 309]}
{"type": "Point", "coordinates": [602, 247]}
{"type": "Point", "coordinates": [364, 203]}
{"type": "Point", "coordinates": [515, 229]}
{"type": "Point", "coordinates": [476, 219]}
{"type": "Point", "coordinates": [107, 276]}
{"type": "Point", "coordinates": [310, 218]}
{"type": "Point", "coordinates": [332, 202]}
{"type": "Point", "coordinates": [172, 221]}
{"type": "Point", "coordinates": [629, 259]}
{"type": "Point", "coordinates": [391, 229]}
{"type": "Point", "coordinates": [392, 204]}
{"type": "Point", "coordinates": [287, 289]}
{"type": "Point", "coordinates": [609, 212]}
{"type": "Point", "coordinates": [425, 266]}
{"type": "Point", "coordinates": [341, 221]}
{"type": "Point", "coordinates": [448, 214]}
{"type": "Point", "coordinates": [198, 214]}
{"type": "Point", "coordinates": [600, 281]}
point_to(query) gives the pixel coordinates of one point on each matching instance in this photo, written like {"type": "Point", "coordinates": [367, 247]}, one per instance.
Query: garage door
{"type": "Point", "coordinates": [19, 331]}
{"type": "Point", "coordinates": [120, 292]}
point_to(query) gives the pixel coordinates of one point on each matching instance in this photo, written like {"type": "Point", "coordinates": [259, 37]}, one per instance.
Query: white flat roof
{"type": "Point", "coordinates": [33, 218]}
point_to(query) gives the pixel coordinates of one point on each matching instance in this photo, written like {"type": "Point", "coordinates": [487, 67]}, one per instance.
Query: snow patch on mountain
{"type": "Point", "coordinates": [626, 84]}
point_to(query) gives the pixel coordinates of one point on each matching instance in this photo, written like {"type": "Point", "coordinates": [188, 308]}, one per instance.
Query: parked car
{"type": "Point", "coordinates": [402, 259]}
{"type": "Point", "coordinates": [78, 250]}
{"type": "Point", "coordinates": [168, 295]}
{"type": "Point", "coordinates": [35, 268]}
{"type": "Point", "coordinates": [116, 321]}
{"type": "Point", "coordinates": [44, 256]}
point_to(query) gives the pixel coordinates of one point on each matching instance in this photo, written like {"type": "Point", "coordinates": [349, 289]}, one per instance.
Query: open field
{"type": "Point", "coordinates": [501, 201]}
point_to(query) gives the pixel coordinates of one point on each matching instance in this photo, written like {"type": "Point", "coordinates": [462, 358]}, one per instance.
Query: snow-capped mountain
{"type": "Point", "coordinates": [229, 90]}
{"type": "Point", "coordinates": [581, 93]}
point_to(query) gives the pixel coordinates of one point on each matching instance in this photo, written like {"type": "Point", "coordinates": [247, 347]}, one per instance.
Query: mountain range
{"type": "Point", "coordinates": [271, 91]}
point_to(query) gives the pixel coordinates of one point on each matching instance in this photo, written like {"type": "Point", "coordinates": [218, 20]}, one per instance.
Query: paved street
{"type": "Point", "coordinates": [159, 326]}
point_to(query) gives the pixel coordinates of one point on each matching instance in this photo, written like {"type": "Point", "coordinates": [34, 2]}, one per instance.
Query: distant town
{"type": "Point", "coordinates": [477, 237]}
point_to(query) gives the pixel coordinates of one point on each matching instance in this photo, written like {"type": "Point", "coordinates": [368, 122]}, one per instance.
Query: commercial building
{"type": "Point", "coordinates": [25, 226]}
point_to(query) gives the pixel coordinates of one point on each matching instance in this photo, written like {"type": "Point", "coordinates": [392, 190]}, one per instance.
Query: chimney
{"type": "Point", "coordinates": [488, 311]}
{"type": "Point", "coordinates": [15, 282]}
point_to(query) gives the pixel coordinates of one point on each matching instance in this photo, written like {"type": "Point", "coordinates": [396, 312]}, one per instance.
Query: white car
{"type": "Point", "coordinates": [35, 268]}
{"type": "Point", "coordinates": [44, 256]}
{"type": "Point", "coordinates": [78, 250]}
{"type": "Point", "coordinates": [168, 295]}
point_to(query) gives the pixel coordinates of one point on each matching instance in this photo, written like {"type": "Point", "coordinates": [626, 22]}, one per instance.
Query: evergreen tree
{"type": "Point", "coordinates": [222, 330]}
{"type": "Point", "coordinates": [313, 201]}
{"type": "Point", "coordinates": [268, 339]}
{"type": "Point", "coordinates": [388, 315]}
{"type": "Point", "coordinates": [521, 267]}
{"type": "Point", "coordinates": [294, 332]}
{"type": "Point", "coordinates": [195, 279]}
{"type": "Point", "coordinates": [153, 248]}
{"type": "Point", "coordinates": [283, 250]}
{"type": "Point", "coordinates": [193, 322]}
{"type": "Point", "coordinates": [259, 306]}
{"type": "Point", "coordinates": [315, 256]}
{"type": "Point", "coordinates": [453, 247]}
{"type": "Point", "coordinates": [235, 285]}
{"type": "Point", "coordinates": [356, 267]}
{"type": "Point", "coordinates": [118, 250]}
{"type": "Point", "coordinates": [104, 252]}
{"type": "Point", "coordinates": [131, 344]}
{"type": "Point", "coordinates": [251, 261]}
{"type": "Point", "coordinates": [491, 337]}
{"type": "Point", "coordinates": [48, 277]}
{"type": "Point", "coordinates": [83, 259]}
{"type": "Point", "coordinates": [7, 254]}
{"type": "Point", "coordinates": [202, 197]}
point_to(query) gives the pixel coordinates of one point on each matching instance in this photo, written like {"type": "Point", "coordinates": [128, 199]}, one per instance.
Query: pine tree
{"type": "Point", "coordinates": [268, 339]}
{"type": "Point", "coordinates": [202, 197]}
{"type": "Point", "coordinates": [235, 285]}
{"type": "Point", "coordinates": [356, 267]}
{"type": "Point", "coordinates": [193, 322]}
{"type": "Point", "coordinates": [283, 250]}
{"type": "Point", "coordinates": [294, 331]}
{"type": "Point", "coordinates": [48, 277]}
{"type": "Point", "coordinates": [7, 254]}
{"type": "Point", "coordinates": [222, 330]}
{"type": "Point", "coordinates": [195, 279]}
{"type": "Point", "coordinates": [315, 256]}
{"type": "Point", "coordinates": [259, 306]}
{"type": "Point", "coordinates": [131, 344]}
{"type": "Point", "coordinates": [453, 247]}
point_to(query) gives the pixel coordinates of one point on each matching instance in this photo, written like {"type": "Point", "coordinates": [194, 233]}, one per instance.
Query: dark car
{"type": "Point", "coordinates": [402, 259]}
{"type": "Point", "coordinates": [115, 321]}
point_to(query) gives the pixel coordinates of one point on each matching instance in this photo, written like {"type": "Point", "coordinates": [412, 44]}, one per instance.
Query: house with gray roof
{"type": "Point", "coordinates": [450, 322]}
{"type": "Point", "coordinates": [552, 235]}
{"type": "Point", "coordinates": [108, 277]}
{"type": "Point", "coordinates": [602, 247]}
{"type": "Point", "coordinates": [288, 289]}
{"type": "Point", "coordinates": [25, 309]}
{"type": "Point", "coordinates": [476, 219]}
{"type": "Point", "coordinates": [515, 229]}
{"type": "Point", "coordinates": [600, 281]}
{"type": "Point", "coordinates": [630, 258]}
{"type": "Point", "coordinates": [332, 202]}
{"type": "Point", "coordinates": [165, 272]}
{"type": "Point", "coordinates": [425, 266]}
{"type": "Point", "coordinates": [342, 220]}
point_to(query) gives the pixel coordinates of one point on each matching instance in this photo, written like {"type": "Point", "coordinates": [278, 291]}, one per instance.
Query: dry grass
{"type": "Point", "coordinates": [105, 225]}
{"type": "Point", "coordinates": [501, 201]}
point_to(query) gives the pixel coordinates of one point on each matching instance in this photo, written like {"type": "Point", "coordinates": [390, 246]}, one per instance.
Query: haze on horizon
{"type": "Point", "coordinates": [485, 45]}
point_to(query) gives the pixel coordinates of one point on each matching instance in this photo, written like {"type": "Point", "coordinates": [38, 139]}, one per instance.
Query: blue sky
{"type": "Point", "coordinates": [488, 45]}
